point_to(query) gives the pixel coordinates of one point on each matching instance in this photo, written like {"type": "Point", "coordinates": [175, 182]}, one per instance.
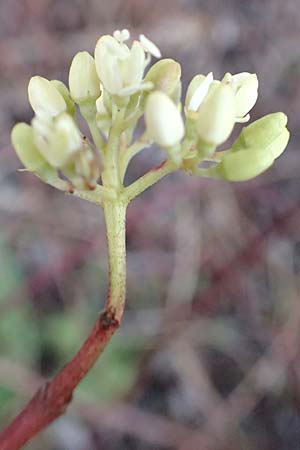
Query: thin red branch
{"type": "Point", "coordinates": [52, 399]}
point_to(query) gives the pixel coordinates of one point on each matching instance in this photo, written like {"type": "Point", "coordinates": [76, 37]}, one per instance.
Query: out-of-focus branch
{"type": "Point", "coordinates": [52, 399]}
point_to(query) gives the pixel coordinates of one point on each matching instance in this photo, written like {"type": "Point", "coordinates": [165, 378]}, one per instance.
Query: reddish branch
{"type": "Point", "coordinates": [52, 399]}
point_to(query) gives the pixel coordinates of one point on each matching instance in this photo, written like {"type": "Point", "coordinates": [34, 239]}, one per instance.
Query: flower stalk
{"type": "Point", "coordinates": [115, 215]}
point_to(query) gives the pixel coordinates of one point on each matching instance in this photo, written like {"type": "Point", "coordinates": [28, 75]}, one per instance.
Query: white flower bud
{"type": "Point", "coordinates": [165, 76]}
{"type": "Point", "coordinates": [64, 92]}
{"type": "Point", "coordinates": [22, 137]}
{"type": "Point", "coordinates": [57, 139]}
{"type": "Point", "coordinates": [163, 120]}
{"type": "Point", "coordinates": [83, 79]}
{"type": "Point", "coordinates": [45, 98]}
{"type": "Point", "coordinates": [216, 115]}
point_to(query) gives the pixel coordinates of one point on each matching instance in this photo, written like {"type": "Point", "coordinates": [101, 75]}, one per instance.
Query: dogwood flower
{"type": "Point", "coordinates": [120, 68]}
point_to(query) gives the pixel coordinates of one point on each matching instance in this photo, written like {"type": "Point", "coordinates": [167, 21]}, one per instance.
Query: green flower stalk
{"type": "Point", "coordinates": [113, 91]}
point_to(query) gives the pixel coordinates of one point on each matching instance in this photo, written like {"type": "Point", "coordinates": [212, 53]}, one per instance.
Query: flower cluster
{"type": "Point", "coordinates": [113, 90]}
{"type": "Point", "coordinates": [53, 145]}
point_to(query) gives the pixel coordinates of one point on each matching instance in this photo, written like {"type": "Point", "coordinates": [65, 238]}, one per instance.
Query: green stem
{"type": "Point", "coordinates": [97, 196]}
{"type": "Point", "coordinates": [96, 135]}
{"type": "Point", "coordinates": [140, 144]}
{"type": "Point", "coordinates": [148, 179]}
{"type": "Point", "coordinates": [111, 174]}
{"type": "Point", "coordinates": [89, 112]}
{"type": "Point", "coordinates": [115, 215]}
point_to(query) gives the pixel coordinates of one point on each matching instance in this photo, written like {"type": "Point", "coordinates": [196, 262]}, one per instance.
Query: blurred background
{"type": "Point", "coordinates": [208, 356]}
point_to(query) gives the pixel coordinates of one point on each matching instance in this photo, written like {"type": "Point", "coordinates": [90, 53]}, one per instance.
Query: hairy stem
{"type": "Point", "coordinates": [52, 399]}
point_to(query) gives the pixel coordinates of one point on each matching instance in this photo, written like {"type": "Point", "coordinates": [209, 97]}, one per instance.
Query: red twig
{"type": "Point", "coordinates": [52, 399]}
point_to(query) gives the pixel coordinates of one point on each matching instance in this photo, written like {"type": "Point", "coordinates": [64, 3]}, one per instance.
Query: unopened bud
{"type": "Point", "coordinates": [22, 137]}
{"type": "Point", "coordinates": [57, 140]}
{"type": "Point", "coordinates": [216, 115]}
{"type": "Point", "coordinates": [261, 132]}
{"type": "Point", "coordinates": [278, 145]}
{"type": "Point", "coordinates": [243, 165]}
{"type": "Point", "coordinates": [64, 92]}
{"type": "Point", "coordinates": [163, 120]}
{"type": "Point", "coordinates": [45, 98]}
{"type": "Point", "coordinates": [165, 76]}
{"type": "Point", "coordinates": [83, 79]}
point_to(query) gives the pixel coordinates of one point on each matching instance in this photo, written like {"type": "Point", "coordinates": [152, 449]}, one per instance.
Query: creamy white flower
{"type": "Point", "coordinates": [45, 98]}
{"type": "Point", "coordinates": [57, 139]}
{"type": "Point", "coordinates": [164, 123]}
{"type": "Point", "coordinates": [120, 68]}
{"type": "Point", "coordinates": [244, 86]}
